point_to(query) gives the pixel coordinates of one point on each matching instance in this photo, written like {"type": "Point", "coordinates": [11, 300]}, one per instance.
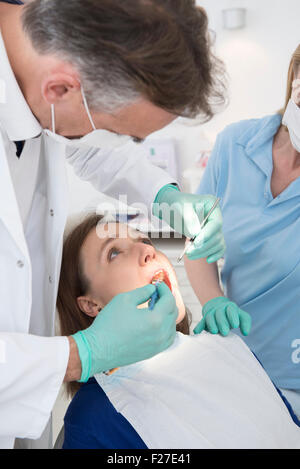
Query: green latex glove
{"type": "Point", "coordinates": [184, 213]}
{"type": "Point", "coordinates": [220, 315]}
{"type": "Point", "coordinates": [122, 333]}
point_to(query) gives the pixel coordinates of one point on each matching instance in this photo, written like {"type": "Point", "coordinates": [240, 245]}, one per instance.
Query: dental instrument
{"type": "Point", "coordinates": [153, 298]}
{"type": "Point", "coordinates": [191, 241]}
{"type": "Point", "coordinates": [158, 278]}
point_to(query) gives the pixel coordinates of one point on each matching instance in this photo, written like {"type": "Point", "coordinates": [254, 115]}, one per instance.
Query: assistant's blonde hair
{"type": "Point", "coordinates": [293, 70]}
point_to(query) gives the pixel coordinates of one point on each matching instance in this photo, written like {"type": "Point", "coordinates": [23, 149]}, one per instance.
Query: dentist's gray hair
{"type": "Point", "coordinates": [125, 49]}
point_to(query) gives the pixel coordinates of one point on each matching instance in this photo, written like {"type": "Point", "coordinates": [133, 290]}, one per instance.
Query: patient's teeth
{"type": "Point", "coordinates": [158, 277]}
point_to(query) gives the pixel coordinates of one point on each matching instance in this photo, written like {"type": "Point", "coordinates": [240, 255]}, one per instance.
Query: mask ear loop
{"type": "Point", "coordinates": [296, 91]}
{"type": "Point", "coordinates": [87, 109]}
{"type": "Point", "coordinates": [53, 118]}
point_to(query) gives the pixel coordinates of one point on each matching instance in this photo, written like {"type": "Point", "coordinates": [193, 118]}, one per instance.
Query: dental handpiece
{"type": "Point", "coordinates": [191, 241]}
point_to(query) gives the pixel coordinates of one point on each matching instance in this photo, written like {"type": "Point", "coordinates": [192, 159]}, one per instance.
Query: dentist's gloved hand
{"type": "Point", "coordinates": [122, 333]}
{"type": "Point", "coordinates": [220, 315]}
{"type": "Point", "coordinates": [187, 212]}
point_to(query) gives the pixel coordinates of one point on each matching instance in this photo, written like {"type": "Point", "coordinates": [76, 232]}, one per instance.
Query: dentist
{"type": "Point", "coordinates": [77, 80]}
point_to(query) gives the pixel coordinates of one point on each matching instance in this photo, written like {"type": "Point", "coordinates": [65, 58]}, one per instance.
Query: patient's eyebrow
{"type": "Point", "coordinates": [139, 237]}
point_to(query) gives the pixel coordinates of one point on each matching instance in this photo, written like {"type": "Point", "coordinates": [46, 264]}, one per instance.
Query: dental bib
{"type": "Point", "coordinates": [205, 391]}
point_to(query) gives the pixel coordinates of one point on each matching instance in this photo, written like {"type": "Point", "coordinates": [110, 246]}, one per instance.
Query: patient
{"type": "Point", "coordinates": [205, 391]}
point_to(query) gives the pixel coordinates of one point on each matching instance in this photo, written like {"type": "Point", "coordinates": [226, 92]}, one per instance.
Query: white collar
{"type": "Point", "coordinates": [15, 115]}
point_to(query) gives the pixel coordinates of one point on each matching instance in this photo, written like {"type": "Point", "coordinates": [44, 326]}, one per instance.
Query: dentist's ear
{"type": "Point", "coordinates": [59, 86]}
{"type": "Point", "coordinates": [87, 306]}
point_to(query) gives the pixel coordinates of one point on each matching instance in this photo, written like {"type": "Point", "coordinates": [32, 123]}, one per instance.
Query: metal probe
{"type": "Point", "coordinates": [202, 225]}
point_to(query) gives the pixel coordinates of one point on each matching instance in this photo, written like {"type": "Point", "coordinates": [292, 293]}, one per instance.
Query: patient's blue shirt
{"type": "Point", "coordinates": [92, 422]}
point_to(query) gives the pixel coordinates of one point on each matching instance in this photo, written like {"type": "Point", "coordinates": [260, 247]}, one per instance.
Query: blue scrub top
{"type": "Point", "coordinates": [261, 270]}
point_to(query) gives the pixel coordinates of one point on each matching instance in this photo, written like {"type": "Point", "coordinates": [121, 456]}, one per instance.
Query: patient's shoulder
{"type": "Point", "coordinates": [90, 403]}
{"type": "Point", "coordinates": [92, 421]}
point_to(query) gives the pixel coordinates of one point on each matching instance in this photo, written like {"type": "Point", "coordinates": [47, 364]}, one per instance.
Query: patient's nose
{"type": "Point", "coordinates": [146, 254]}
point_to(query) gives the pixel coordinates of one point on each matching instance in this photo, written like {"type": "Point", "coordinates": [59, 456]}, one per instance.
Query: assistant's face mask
{"type": "Point", "coordinates": [98, 138]}
{"type": "Point", "coordinates": [291, 116]}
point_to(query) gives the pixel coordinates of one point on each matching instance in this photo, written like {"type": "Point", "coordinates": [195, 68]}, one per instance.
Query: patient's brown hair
{"type": "Point", "coordinates": [73, 284]}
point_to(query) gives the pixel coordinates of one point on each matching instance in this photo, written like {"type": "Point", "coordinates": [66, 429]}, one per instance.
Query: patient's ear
{"type": "Point", "coordinates": [87, 306]}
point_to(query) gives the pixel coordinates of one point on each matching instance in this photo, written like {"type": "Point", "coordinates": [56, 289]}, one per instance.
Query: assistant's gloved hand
{"type": "Point", "coordinates": [122, 333]}
{"type": "Point", "coordinates": [220, 315]}
{"type": "Point", "coordinates": [184, 213]}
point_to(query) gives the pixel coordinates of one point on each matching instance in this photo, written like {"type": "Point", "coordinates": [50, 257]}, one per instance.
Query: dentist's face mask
{"type": "Point", "coordinates": [98, 138]}
{"type": "Point", "coordinates": [291, 116]}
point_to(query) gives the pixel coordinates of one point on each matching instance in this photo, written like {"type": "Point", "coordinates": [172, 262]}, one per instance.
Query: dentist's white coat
{"type": "Point", "coordinates": [33, 362]}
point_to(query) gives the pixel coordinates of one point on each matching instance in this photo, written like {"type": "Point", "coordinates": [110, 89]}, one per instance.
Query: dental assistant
{"type": "Point", "coordinates": [74, 86]}
{"type": "Point", "coordinates": [255, 170]}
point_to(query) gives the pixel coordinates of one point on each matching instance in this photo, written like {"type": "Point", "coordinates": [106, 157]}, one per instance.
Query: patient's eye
{"type": "Point", "coordinates": [113, 253]}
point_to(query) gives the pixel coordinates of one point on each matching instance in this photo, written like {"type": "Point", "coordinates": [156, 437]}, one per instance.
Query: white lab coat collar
{"type": "Point", "coordinates": [15, 115]}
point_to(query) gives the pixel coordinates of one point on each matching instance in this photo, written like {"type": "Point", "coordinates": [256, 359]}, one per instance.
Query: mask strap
{"type": "Point", "coordinates": [53, 118]}
{"type": "Point", "coordinates": [87, 109]}
{"type": "Point", "coordinates": [296, 91]}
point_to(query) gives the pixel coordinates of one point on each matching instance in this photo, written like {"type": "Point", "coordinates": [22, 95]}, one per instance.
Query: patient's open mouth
{"type": "Point", "coordinates": [161, 276]}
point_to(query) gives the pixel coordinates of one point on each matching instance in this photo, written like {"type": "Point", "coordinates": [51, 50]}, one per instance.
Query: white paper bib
{"type": "Point", "coordinates": [205, 391]}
